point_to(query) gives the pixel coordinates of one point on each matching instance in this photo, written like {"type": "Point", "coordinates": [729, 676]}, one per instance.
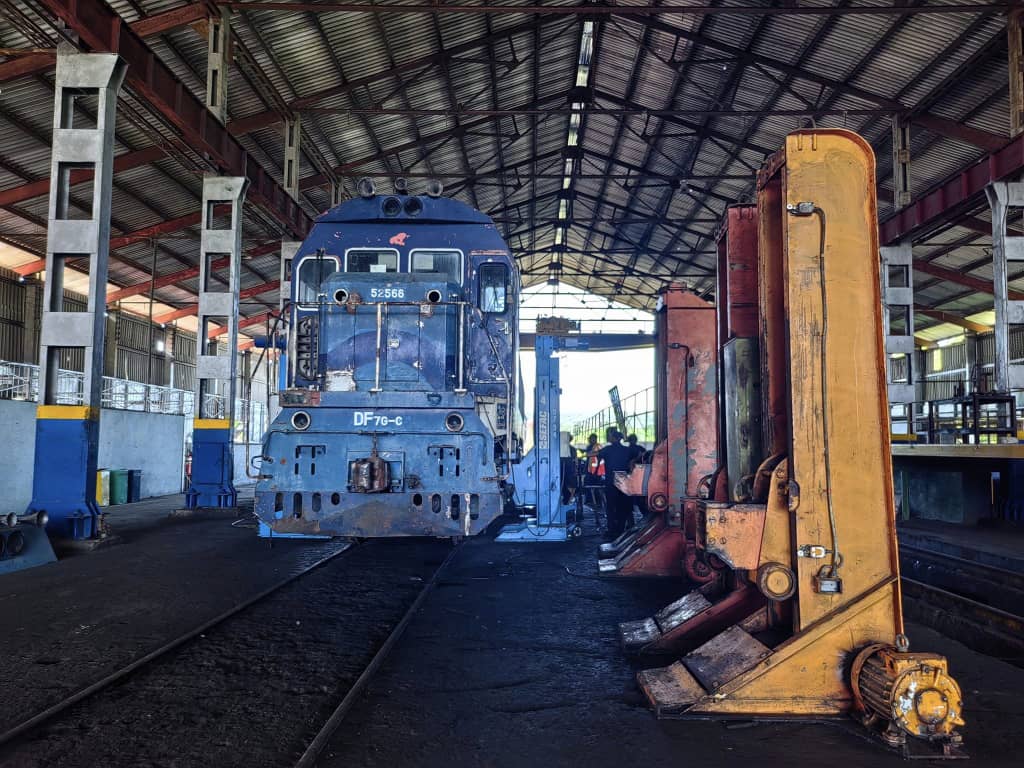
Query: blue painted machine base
{"type": "Point", "coordinates": [213, 470]}
{"type": "Point", "coordinates": [36, 549]}
{"type": "Point", "coordinates": [266, 532]}
{"type": "Point", "coordinates": [64, 479]}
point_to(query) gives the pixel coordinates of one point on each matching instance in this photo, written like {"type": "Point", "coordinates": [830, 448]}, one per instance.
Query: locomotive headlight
{"type": "Point", "coordinates": [341, 296]}
{"type": "Point", "coordinates": [366, 187]}
{"type": "Point", "coordinates": [391, 206]}
{"type": "Point", "coordinates": [413, 206]}
{"type": "Point", "coordinates": [453, 422]}
{"type": "Point", "coordinates": [434, 296]}
{"type": "Point", "coordinates": [300, 420]}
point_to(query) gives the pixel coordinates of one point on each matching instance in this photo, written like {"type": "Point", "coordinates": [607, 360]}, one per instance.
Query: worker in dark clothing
{"type": "Point", "coordinates": [635, 450]}
{"type": "Point", "coordinates": [619, 506]}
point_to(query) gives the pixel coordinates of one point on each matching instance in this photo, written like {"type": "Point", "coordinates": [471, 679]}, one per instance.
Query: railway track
{"type": "Point", "coordinates": [263, 684]}
{"type": "Point", "coordinates": [977, 604]}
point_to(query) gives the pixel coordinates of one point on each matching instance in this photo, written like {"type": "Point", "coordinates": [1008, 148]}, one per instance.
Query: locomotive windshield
{"type": "Point", "coordinates": [370, 260]}
{"type": "Point", "coordinates": [493, 288]}
{"type": "Point", "coordinates": [446, 263]}
{"type": "Point", "coordinates": [312, 273]}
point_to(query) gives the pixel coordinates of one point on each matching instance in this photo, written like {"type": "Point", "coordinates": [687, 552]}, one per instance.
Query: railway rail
{"type": "Point", "coordinates": [980, 605]}
{"type": "Point", "coordinates": [257, 685]}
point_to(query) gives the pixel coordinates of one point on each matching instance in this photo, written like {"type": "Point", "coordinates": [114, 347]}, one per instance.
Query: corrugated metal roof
{"type": "Point", "coordinates": [644, 200]}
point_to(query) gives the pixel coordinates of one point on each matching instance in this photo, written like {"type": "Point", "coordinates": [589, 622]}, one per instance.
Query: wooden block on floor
{"type": "Point", "coordinates": [671, 689]}
{"type": "Point", "coordinates": [682, 610]}
{"type": "Point", "coordinates": [725, 656]}
{"type": "Point", "coordinates": [634, 635]}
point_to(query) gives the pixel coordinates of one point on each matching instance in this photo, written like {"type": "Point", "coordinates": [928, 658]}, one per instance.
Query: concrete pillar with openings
{"type": "Point", "coordinates": [1015, 41]}
{"type": "Point", "coordinates": [78, 228]}
{"type": "Point", "coordinates": [218, 59]}
{"type": "Point", "coordinates": [216, 368]}
{"type": "Point", "coordinates": [900, 162]}
{"type": "Point", "coordinates": [1002, 196]}
{"type": "Point", "coordinates": [898, 316]}
{"type": "Point", "coordinates": [292, 142]}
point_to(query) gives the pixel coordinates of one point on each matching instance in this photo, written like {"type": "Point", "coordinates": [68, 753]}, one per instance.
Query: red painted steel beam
{"type": "Point", "coordinates": [19, 66]}
{"type": "Point", "coordinates": [101, 29]}
{"type": "Point", "coordinates": [955, 196]}
{"type": "Point", "coordinates": [948, 317]}
{"type": "Point", "coordinates": [176, 314]}
{"type": "Point", "coordinates": [247, 323]}
{"type": "Point", "coordinates": [987, 140]}
{"type": "Point", "coordinates": [156, 24]}
{"type": "Point", "coordinates": [190, 310]}
{"type": "Point", "coordinates": [185, 274]}
{"type": "Point", "coordinates": [256, 290]}
{"type": "Point", "coordinates": [123, 162]}
{"type": "Point", "coordinates": [140, 235]}
{"type": "Point", "coordinates": [952, 276]}
{"type": "Point", "coordinates": [163, 228]}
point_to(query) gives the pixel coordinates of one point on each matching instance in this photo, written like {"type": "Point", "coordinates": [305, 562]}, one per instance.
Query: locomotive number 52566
{"type": "Point", "coordinates": [387, 293]}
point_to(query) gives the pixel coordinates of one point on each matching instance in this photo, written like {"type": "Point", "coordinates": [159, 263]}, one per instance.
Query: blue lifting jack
{"type": "Point", "coordinates": [538, 477]}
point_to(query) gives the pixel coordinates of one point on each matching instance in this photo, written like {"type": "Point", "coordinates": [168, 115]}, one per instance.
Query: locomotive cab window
{"type": "Point", "coordinates": [311, 275]}
{"type": "Point", "coordinates": [447, 264]}
{"type": "Point", "coordinates": [493, 288]}
{"type": "Point", "coordinates": [371, 260]}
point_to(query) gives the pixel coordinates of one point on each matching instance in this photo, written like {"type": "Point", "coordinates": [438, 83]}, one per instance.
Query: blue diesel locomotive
{"type": "Point", "coordinates": [399, 415]}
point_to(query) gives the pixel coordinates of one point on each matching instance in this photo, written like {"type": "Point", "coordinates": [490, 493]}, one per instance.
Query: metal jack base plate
{"type": "Point", "coordinates": [530, 530]}
{"type": "Point", "coordinates": [33, 549]}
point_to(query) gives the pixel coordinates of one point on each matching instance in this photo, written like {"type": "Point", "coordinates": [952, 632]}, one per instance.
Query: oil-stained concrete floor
{"type": "Point", "coordinates": [514, 661]}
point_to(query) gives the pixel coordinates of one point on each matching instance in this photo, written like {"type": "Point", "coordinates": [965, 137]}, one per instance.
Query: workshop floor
{"type": "Point", "coordinates": [67, 624]}
{"type": "Point", "coordinates": [512, 661]}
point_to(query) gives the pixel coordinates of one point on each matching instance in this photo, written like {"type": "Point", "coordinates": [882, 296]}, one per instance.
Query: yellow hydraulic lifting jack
{"type": "Point", "coordinates": [806, 619]}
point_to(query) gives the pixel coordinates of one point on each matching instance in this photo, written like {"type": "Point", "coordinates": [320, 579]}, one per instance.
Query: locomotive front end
{"type": "Point", "coordinates": [397, 418]}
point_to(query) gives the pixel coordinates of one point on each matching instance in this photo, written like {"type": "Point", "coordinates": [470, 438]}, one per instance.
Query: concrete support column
{"type": "Point", "coordinates": [67, 431]}
{"type": "Point", "coordinates": [1003, 195]}
{"type": "Point", "coordinates": [900, 162]}
{"type": "Point", "coordinates": [292, 141]}
{"type": "Point", "coordinates": [970, 360]}
{"type": "Point", "coordinates": [337, 193]}
{"type": "Point", "coordinates": [218, 59]}
{"type": "Point", "coordinates": [1015, 41]}
{"type": "Point", "coordinates": [216, 369]}
{"type": "Point", "coordinates": [898, 318]}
